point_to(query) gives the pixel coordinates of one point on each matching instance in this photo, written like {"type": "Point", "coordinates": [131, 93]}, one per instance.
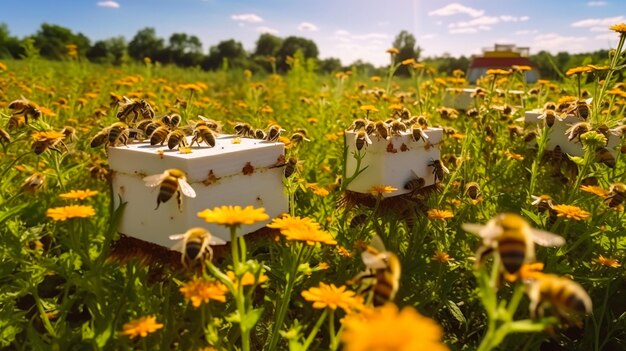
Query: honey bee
{"type": "Point", "coordinates": [16, 122]}
{"type": "Point", "coordinates": [172, 121]}
{"type": "Point", "coordinates": [4, 136]}
{"type": "Point", "coordinates": [41, 145]}
{"type": "Point", "coordinates": [159, 135]}
{"type": "Point", "coordinates": [361, 139]}
{"type": "Point", "coordinates": [143, 124]}
{"type": "Point", "coordinates": [243, 129]}
{"type": "Point", "coordinates": [382, 129]}
{"type": "Point", "coordinates": [298, 138]}
{"type": "Point", "coordinates": [472, 190]}
{"type": "Point", "coordinates": [549, 116]}
{"type": "Point", "coordinates": [617, 192]}
{"type": "Point", "coordinates": [415, 183]}
{"type": "Point", "coordinates": [530, 136]}
{"type": "Point", "coordinates": [566, 298]}
{"type": "Point", "coordinates": [171, 181]}
{"type": "Point", "coordinates": [383, 269]}
{"type": "Point", "coordinates": [137, 108]}
{"type": "Point", "coordinates": [176, 138]}
{"type": "Point", "coordinates": [549, 106]}
{"type": "Point", "coordinates": [291, 166]}
{"type": "Point", "coordinates": [618, 131]}
{"type": "Point", "coordinates": [397, 127]}
{"type": "Point", "coordinates": [580, 109]}
{"type": "Point", "coordinates": [358, 124]}
{"type": "Point", "coordinates": [512, 238]}
{"type": "Point", "coordinates": [69, 132]}
{"type": "Point", "coordinates": [422, 121]}
{"type": "Point", "coordinates": [273, 132]}
{"type": "Point", "coordinates": [116, 130]}
{"type": "Point", "coordinates": [194, 244]}
{"type": "Point", "coordinates": [154, 125]}
{"type": "Point", "coordinates": [418, 133]}
{"type": "Point", "coordinates": [438, 169]}
{"type": "Point", "coordinates": [515, 131]}
{"type": "Point", "coordinates": [260, 134]}
{"type": "Point", "coordinates": [26, 108]}
{"type": "Point", "coordinates": [203, 134]}
{"type": "Point", "coordinates": [33, 183]}
{"type": "Point", "coordinates": [100, 138]}
{"type": "Point", "coordinates": [472, 112]}
{"type": "Point", "coordinates": [603, 155]}
{"type": "Point", "coordinates": [213, 125]}
{"type": "Point", "coordinates": [576, 130]}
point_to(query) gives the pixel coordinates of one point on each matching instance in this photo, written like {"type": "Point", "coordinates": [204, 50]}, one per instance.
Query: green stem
{"type": "Point", "coordinates": [331, 330]}
{"type": "Point", "coordinates": [314, 331]}
{"type": "Point", "coordinates": [284, 304]}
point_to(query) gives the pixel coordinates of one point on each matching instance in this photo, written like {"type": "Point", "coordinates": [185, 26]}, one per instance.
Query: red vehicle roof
{"type": "Point", "coordinates": [500, 62]}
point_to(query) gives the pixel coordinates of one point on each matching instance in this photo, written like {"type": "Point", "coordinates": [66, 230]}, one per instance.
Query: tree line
{"type": "Point", "coordinates": [270, 53]}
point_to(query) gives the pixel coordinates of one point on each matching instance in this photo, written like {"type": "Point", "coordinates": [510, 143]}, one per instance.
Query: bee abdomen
{"type": "Point", "coordinates": [513, 253]}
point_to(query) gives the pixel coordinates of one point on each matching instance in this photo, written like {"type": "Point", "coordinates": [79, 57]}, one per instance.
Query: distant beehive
{"type": "Point", "coordinates": [503, 57]}
{"type": "Point", "coordinates": [246, 172]}
{"type": "Point", "coordinates": [393, 161]}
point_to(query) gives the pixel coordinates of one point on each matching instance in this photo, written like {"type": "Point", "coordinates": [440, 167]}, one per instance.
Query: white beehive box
{"type": "Point", "coordinates": [396, 165]}
{"type": "Point", "coordinates": [557, 135]}
{"type": "Point", "coordinates": [226, 160]}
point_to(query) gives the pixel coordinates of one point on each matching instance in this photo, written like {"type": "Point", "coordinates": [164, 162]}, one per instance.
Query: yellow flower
{"type": "Point", "coordinates": [578, 70]}
{"type": "Point", "coordinates": [332, 297]}
{"type": "Point", "coordinates": [267, 109]}
{"type": "Point", "coordinates": [408, 61]}
{"type": "Point", "coordinates": [302, 229]}
{"type": "Point", "coordinates": [368, 108]}
{"type": "Point", "coordinates": [234, 215]}
{"type": "Point", "coordinates": [439, 214]}
{"type": "Point", "coordinates": [598, 67]}
{"type": "Point", "coordinates": [375, 78]}
{"type": "Point", "coordinates": [3, 67]}
{"type": "Point", "coordinates": [513, 156]}
{"type": "Point", "coordinates": [442, 257]}
{"type": "Point", "coordinates": [392, 51]}
{"type": "Point", "coordinates": [608, 262]}
{"type": "Point", "coordinates": [48, 135]}
{"type": "Point", "coordinates": [141, 327]}
{"type": "Point", "coordinates": [379, 190]}
{"type": "Point", "coordinates": [343, 252]}
{"type": "Point", "coordinates": [522, 68]}
{"type": "Point", "coordinates": [395, 107]}
{"type": "Point", "coordinates": [571, 212]}
{"type": "Point", "coordinates": [247, 279]}
{"type": "Point", "coordinates": [320, 192]}
{"type": "Point", "coordinates": [386, 328]}
{"type": "Point", "coordinates": [68, 212]}
{"type": "Point", "coordinates": [199, 291]}
{"type": "Point", "coordinates": [79, 194]}
{"type": "Point", "coordinates": [594, 189]}
{"type": "Point", "coordinates": [619, 28]}
{"type": "Point", "coordinates": [498, 71]}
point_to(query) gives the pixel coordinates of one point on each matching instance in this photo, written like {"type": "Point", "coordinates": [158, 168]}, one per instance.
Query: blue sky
{"type": "Point", "coordinates": [348, 29]}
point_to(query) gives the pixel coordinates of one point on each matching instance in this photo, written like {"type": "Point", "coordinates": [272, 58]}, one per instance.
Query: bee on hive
{"type": "Point", "coordinates": [172, 181]}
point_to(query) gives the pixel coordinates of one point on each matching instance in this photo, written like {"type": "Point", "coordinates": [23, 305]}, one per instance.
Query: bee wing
{"type": "Point", "coordinates": [367, 139]}
{"type": "Point", "coordinates": [488, 231]}
{"type": "Point", "coordinates": [185, 188]}
{"type": "Point", "coordinates": [217, 241]}
{"type": "Point", "coordinates": [377, 243]}
{"type": "Point", "coordinates": [544, 238]}
{"type": "Point", "coordinates": [180, 244]}
{"type": "Point", "coordinates": [154, 180]}
{"type": "Point", "coordinates": [445, 169]}
{"type": "Point", "coordinates": [374, 260]}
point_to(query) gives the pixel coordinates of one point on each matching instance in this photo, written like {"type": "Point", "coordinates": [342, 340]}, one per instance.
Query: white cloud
{"type": "Point", "coordinates": [607, 36]}
{"type": "Point", "coordinates": [526, 32]}
{"type": "Point", "coordinates": [345, 36]}
{"type": "Point", "coordinates": [268, 30]}
{"type": "Point", "coordinates": [247, 17]}
{"type": "Point", "coordinates": [600, 29]}
{"type": "Point", "coordinates": [485, 22]}
{"type": "Point", "coordinates": [597, 22]}
{"type": "Point", "coordinates": [554, 41]}
{"type": "Point", "coordinates": [463, 30]}
{"type": "Point", "coordinates": [596, 3]}
{"type": "Point", "coordinates": [109, 4]}
{"type": "Point", "coordinates": [428, 36]}
{"type": "Point", "coordinates": [307, 27]}
{"type": "Point", "coordinates": [456, 8]}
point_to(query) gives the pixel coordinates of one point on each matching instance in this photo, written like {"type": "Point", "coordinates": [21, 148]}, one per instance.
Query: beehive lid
{"type": "Point", "coordinates": [229, 155]}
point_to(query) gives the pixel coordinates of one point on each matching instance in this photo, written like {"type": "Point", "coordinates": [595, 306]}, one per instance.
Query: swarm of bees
{"type": "Point", "coordinates": [381, 277]}
{"type": "Point", "coordinates": [195, 245]}
{"type": "Point", "coordinates": [272, 133]}
{"type": "Point", "coordinates": [365, 129]}
{"type": "Point", "coordinates": [171, 181]}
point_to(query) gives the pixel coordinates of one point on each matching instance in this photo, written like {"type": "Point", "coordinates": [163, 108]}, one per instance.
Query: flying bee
{"type": "Point", "coordinates": [579, 108]}
{"type": "Point", "coordinates": [100, 138]}
{"type": "Point", "coordinates": [617, 193]}
{"type": "Point", "coordinates": [438, 169]}
{"type": "Point", "coordinates": [26, 108]}
{"type": "Point", "coordinates": [397, 127]}
{"type": "Point", "coordinates": [176, 138]}
{"type": "Point", "coordinates": [549, 116]}
{"type": "Point", "coordinates": [515, 131]}
{"type": "Point", "coordinates": [472, 190]}
{"type": "Point", "coordinates": [383, 269]}
{"type": "Point", "coordinates": [382, 129]}
{"type": "Point", "coordinates": [556, 155]}
{"type": "Point", "coordinates": [194, 244]}
{"type": "Point", "coordinates": [4, 136]}
{"type": "Point", "coordinates": [33, 183]}
{"type": "Point", "coordinates": [273, 132]}
{"type": "Point", "coordinates": [170, 182]}
{"type": "Point", "coordinates": [159, 136]}
{"type": "Point", "coordinates": [298, 138]}
{"type": "Point", "coordinates": [361, 139]}
{"type": "Point", "coordinates": [137, 108]}
{"type": "Point", "coordinates": [243, 129]}
{"type": "Point", "coordinates": [603, 155]}
{"type": "Point", "coordinates": [358, 124]}
{"type": "Point", "coordinates": [291, 166]}
{"type": "Point", "coordinates": [260, 134]}
{"type": "Point", "coordinates": [203, 134]}
{"type": "Point", "coordinates": [576, 130]}
{"type": "Point", "coordinates": [566, 298]}
{"type": "Point", "coordinates": [415, 183]}
{"type": "Point", "coordinates": [418, 133]}
{"type": "Point", "coordinates": [530, 136]}
{"type": "Point", "coordinates": [512, 238]}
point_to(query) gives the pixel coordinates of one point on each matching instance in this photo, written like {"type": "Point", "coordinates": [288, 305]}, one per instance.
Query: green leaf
{"type": "Point", "coordinates": [456, 312]}
{"type": "Point", "coordinates": [251, 318]}
{"type": "Point", "coordinates": [532, 216]}
{"type": "Point", "coordinates": [577, 160]}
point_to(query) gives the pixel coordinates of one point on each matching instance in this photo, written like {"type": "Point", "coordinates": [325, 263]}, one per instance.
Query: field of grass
{"type": "Point", "coordinates": [62, 288]}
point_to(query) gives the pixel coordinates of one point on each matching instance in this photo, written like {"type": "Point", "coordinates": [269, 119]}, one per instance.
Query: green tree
{"type": "Point", "coordinates": [330, 65]}
{"type": "Point", "coordinates": [407, 45]}
{"type": "Point", "coordinates": [291, 45]}
{"type": "Point", "coordinates": [112, 51]}
{"type": "Point", "coordinates": [9, 46]}
{"type": "Point", "coordinates": [230, 50]}
{"type": "Point", "coordinates": [146, 44]}
{"type": "Point", "coordinates": [184, 50]}
{"type": "Point", "coordinates": [51, 40]}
